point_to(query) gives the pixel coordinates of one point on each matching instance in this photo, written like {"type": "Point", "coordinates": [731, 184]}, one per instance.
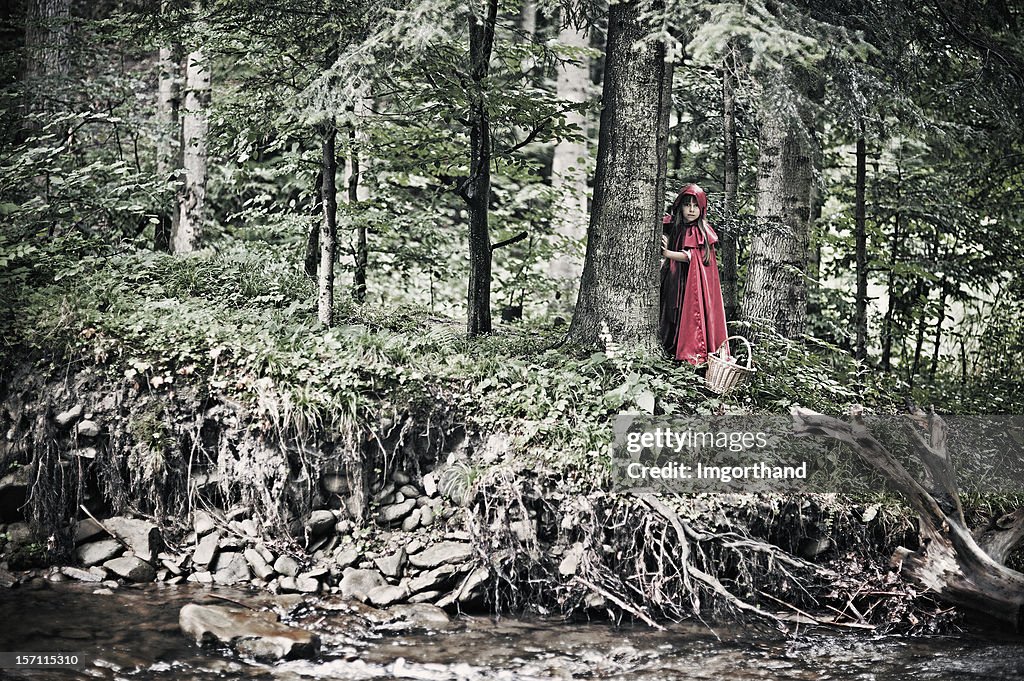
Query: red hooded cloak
{"type": "Point", "coordinates": [692, 322]}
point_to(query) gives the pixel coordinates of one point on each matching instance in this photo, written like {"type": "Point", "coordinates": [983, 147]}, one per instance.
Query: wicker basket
{"type": "Point", "coordinates": [723, 375]}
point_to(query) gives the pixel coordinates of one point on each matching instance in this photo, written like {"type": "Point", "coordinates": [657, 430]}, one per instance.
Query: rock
{"type": "Point", "coordinates": [432, 579]}
{"type": "Point", "coordinates": [307, 584]}
{"type": "Point", "coordinates": [358, 583]}
{"type": "Point", "coordinates": [66, 418]}
{"type": "Point", "coordinates": [258, 564]}
{"type": "Point", "coordinates": [286, 565]}
{"type": "Point", "coordinates": [409, 491]}
{"type": "Point", "coordinates": [391, 565]}
{"type": "Point", "coordinates": [430, 484]}
{"type": "Point", "coordinates": [320, 523]}
{"type": "Point", "coordinates": [7, 579]}
{"type": "Point", "coordinates": [132, 568]}
{"type": "Point", "coordinates": [231, 542]}
{"type": "Point", "coordinates": [400, 478]}
{"type": "Point", "coordinates": [203, 523]}
{"type": "Point", "coordinates": [172, 563]}
{"type": "Point", "coordinates": [414, 546]}
{"type": "Point", "coordinates": [83, 575]}
{"type": "Point", "coordinates": [19, 533]}
{"type": "Point", "coordinates": [141, 536]}
{"type": "Point", "coordinates": [384, 492]}
{"type": "Point", "coordinates": [347, 556]}
{"type": "Point", "coordinates": [395, 512]}
{"type": "Point", "coordinates": [87, 428]}
{"type": "Point", "coordinates": [523, 529]}
{"type": "Point", "coordinates": [334, 483]}
{"type": "Point", "coordinates": [571, 561]}
{"type": "Point", "coordinates": [420, 616]}
{"type": "Point", "coordinates": [413, 520]}
{"type": "Point", "coordinates": [231, 568]}
{"type": "Point", "coordinates": [424, 597]}
{"type": "Point", "coordinates": [471, 587]}
{"type": "Point", "coordinates": [86, 452]}
{"type": "Point", "coordinates": [426, 516]}
{"type": "Point", "coordinates": [343, 527]}
{"type": "Point", "coordinates": [441, 554]}
{"type": "Point", "coordinates": [201, 577]}
{"type": "Point", "coordinates": [386, 595]}
{"type": "Point", "coordinates": [207, 549]}
{"type": "Point", "coordinates": [248, 528]}
{"type": "Point", "coordinates": [288, 584]}
{"type": "Point", "coordinates": [98, 552]}
{"type": "Point", "coordinates": [256, 634]}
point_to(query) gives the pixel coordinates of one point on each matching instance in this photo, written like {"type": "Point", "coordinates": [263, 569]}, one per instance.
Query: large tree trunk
{"type": "Point", "coordinates": [47, 33]}
{"type": "Point", "coordinates": [477, 188]}
{"type": "Point", "coordinates": [192, 203]}
{"type": "Point", "coordinates": [328, 227]}
{"type": "Point", "coordinates": [776, 290]}
{"type": "Point", "coordinates": [861, 239]}
{"type": "Point", "coordinates": [730, 278]}
{"type": "Point", "coordinates": [569, 177]}
{"type": "Point", "coordinates": [168, 146]}
{"type": "Point", "coordinates": [619, 288]}
{"type": "Point", "coordinates": [961, 568]}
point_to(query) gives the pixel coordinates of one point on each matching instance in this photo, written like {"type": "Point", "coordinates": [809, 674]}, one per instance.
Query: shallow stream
{"type": "Point", "coordinates": [132, 633]}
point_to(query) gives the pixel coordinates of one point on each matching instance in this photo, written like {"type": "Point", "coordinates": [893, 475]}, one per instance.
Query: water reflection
{"type": "Point", "coordinates": [132, 633]}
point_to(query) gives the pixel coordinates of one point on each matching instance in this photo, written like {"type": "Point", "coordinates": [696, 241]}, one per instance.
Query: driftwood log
{"type": "Point", "coordinates": [961, 568]}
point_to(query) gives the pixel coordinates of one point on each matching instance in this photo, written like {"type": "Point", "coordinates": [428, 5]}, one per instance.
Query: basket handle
{"type": "Point", "coordinates": [723, 349]}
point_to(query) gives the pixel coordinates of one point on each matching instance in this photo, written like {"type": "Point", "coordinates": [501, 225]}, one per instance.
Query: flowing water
{"type": "Point", "coordinates": [132, 633]}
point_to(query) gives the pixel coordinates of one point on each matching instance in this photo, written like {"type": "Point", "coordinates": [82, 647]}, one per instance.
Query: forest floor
{"type": "Point", "coordinates": [207, 383]}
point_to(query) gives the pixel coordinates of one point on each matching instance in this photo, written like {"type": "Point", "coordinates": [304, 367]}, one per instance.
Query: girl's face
{"type": "Point", "coordinates": [691, 211]}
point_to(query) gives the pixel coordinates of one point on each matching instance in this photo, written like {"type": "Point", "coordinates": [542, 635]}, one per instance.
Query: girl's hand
{"type": "Point", "coordinates": [664, 245]}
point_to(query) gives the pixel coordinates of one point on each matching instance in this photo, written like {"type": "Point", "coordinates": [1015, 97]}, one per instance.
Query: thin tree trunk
{"type": "Point", "coordinates": [528, 17]}
{"type": "Point", "coordinates": [168, 150]}
{"type": "Point", "coordinates": [730, 279]}
{"type": "Point", "coordinates": [477, 189]}
{"type": "Point", "coordinates": [311, 261]}
{"type": "Point", "coordinates": [619, 288]}
{"type": "Point", "coordinates": [328, 228]}
{"type": "Point", "coordinates": [943, 293]}
{"type": "Point", "coordinates": [362, 255]}
{"type": "Point", "coordinates": [569, 177]}
{"type": "Point", "coordinates": [187, 234]}
{"type": "Point", "coordinates": [890, 292]}
{"type": "Point", "coordinates": [920, 296]}
{"type": "Point", "coordinates": [861, 239]}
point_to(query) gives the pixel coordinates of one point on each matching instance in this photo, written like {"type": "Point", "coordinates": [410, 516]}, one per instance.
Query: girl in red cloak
{"type": "Point", "coordinates": [692, 322]}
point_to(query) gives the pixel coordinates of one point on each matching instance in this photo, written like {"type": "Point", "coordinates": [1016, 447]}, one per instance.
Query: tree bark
{"type": "Point", "coordinates": [730, 279]}
{"type": "Point", "coordinates": [964, 569]}
{"type": "Point", "coordinates": [776, 288]}
{"type": "Point", "coordinates": [569, 177]}
{"type": "Point", "coordinates": [619, 287]}
{"type": "Point", "coordinates": [47, 33]}
{"type": "Point", "coordinates": [361, 255]}
{"type": "Point", "coordinates": [477, 188]}
{"type": "Point", "coordinates": [187, 234]}
{"type": "Point", "coordinates": [168, 148]}
{"type": "Point", "coordinates": [861, 239]}
{"type": "Point", "coordinates": [328, 227]}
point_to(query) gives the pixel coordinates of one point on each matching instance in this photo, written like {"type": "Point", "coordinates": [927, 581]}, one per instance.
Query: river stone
{"type": "Point", "coordinates": [258, 564]}
{"type": "Point", "coordinates": [7, 579]}
{"type": "Point", "coordinates": [87, 529]}
{"type": "Point", "coordinates": [131, 568]}
{"type": "Point", "coordinates": [430, 484]}
{"type": "Point", "coordinates": [257, 634]}
{"type": "Point", "coordinates": [395, 512]}
{"type": "Point", "coordinates": [83, 575]}
{"type": "Point", "coordinates": [201, 577]}
{"type": "Point", "coordinates": [410, 491]}
{"type": "Point", "coordinates": [203, 523]}
{"type": "Point", "coordinates": [307, 584]}
{"type": "Point", "coordinates": [87, 428]}
{"type": "Point", "coordinates": [382, 596]}
{"type": "Point", "coordinates": [420, 615]}
{"type": "Point", "coordinates": [320, 523]}
{"type": "Point", "coordinates": [400, 478]}
{"type": "Point", "coordinates": [286, 583]}
{"type": "Point", "coordinates": [471, 587]}
{"type": "Point", "coordinates": [426, 516]}
{"type": "Point", "coordinates": [231, 568]}
{"type": "Point", "coordinates": [432, 579]}
{"type": "Point", "coordinates": [98, 552]}
{"type": "Point", "coordinates": [66, 418]}
{"type": "Point", "coordinates": [347, 556]}
{"type": "Point", "coordinates": [141, 536]}
{"type": "Point", "coordinates": [358, 583]}
{"type": "Point", "coordinates": [207, 549]}
{"type": "Point", "coordinates": [286, 565]}
{"type": "Point", "coordinates": [413, 520]}
{"type": "Point", "coordinates": [19, 533]}
{"type": "Point", "coordinates": [443, 553]}
{"type": "Point", "coordinates": [391, 565]}
{"type": "Point", "coordinates": [384, 493]}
